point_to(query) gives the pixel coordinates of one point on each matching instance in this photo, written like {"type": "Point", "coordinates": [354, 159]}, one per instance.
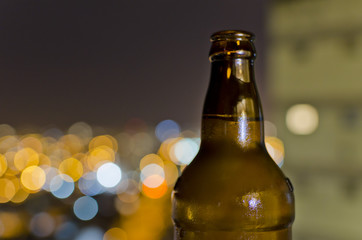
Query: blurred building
{"type": "Point", "coordinates": [315, 59]}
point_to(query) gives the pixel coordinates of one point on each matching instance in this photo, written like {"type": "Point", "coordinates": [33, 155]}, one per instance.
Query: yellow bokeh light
{"type": "Point", "coordinates": [149, 159]}
{"type": "Point", "coordinates": [12, 225]}
{"type": "Point", "coordinates": [7, 190]}
{"type": "Point", "coordinates": [165, 148]}
{"type": "Point", "coordinates": [44, 160]}
{"type": "Point", "coordinates": [72, 143]}
{"type": "Point", "coordinates": [72, 167]}
{"type": "Point", "coordinates": [275, 149]}
{"type": "Point", "coordinates": [20, 196]}
{"type": "Point", "coordinates": [33, 178]}
{"type": "Point", "coordinates": [104, 140]}
{"type": "Point", "coordinates": [9, 156]}
{"type": "Point", "coordinates": [171, 173]}
{"type": "Point", "coordinates": [7, 143]}
{"type": "Point", "coordinates": [26, 157]}
{"type": "Point", "coordinates": [3, 165]}
{"type": "Point", "coordinates": [99, 155]}
{"type": "Point", "coordinates": [32, 142]}
{"type": "Point", "coordinates": [128, 198]}
{"type": "Point", "coordinates": [115, 234]}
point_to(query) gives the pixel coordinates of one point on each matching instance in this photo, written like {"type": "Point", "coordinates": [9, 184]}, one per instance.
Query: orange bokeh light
{"type": "Point", "coordinates": [155, 193]}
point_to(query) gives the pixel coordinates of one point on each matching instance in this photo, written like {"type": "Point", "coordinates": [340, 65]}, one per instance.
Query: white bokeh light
{"type": "Point", "coordinates": [184, 151]}
{"type": "Point", "coordinates": [152, 175]}
{"type": "Point", "coordinates": [109, 175]}
{"type": "Point", "coordinates": [302, 119]}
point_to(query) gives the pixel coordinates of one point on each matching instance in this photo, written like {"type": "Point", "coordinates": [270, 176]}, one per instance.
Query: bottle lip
{"type": "Point", "coordinates": [231, 44]}
{"type": "Point", "coordinates": [232, 35]}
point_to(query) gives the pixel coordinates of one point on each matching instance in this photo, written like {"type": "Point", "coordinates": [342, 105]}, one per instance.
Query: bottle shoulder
{"type": "Point", "coordinates": [233, 164]}
{"type": "Point", "coordinates": [215, 176]}
{"type": "Point", "coordinates": [233, 189]}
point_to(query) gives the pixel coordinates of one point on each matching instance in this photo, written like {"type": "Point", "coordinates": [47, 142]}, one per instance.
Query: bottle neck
{"type": "Point", "coordinates": [232, 110]}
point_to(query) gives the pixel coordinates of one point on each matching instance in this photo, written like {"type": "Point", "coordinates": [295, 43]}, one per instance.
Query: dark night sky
{"type": "Point", "coordinates": [105, 62]}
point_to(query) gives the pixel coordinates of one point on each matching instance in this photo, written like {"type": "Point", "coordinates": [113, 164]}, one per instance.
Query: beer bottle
{"type": "Point", "coordinates": [232, 189]}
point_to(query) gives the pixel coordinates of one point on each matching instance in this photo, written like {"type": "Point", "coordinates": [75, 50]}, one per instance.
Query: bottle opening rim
{"type": "Point", "coordinates": [232, 35]}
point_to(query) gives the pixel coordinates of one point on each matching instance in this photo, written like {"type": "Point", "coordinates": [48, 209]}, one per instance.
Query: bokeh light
{"type": "Point", "coordinates": [89, 185]}
{"type": "Point", "coordinates": [26, 157]}
{"type": "Point", "coordinates": [62, 186]}
{"type": "Point", "coordinates": [152, 175]}
{"type": "Point", "coordinates": [90, 233]}
{"type": "Point", "coordinates": [67, 230]}
{"type": "Point", "coordinates": [20, 196]}
{"type": "Point", "coordinates": [104, 140]}
{"type": "Point", "coordinates": [156, 192]}
{"type": "Point", "coordinates": [167, 129]}
{"type": "Point", "coordinates": [270, 129]}
{"type": "Point", "coordinates": [99, 155]}
{"type": "Point", "coordinates": [42, 224]}
{"type": "Point", "coordinates": [302, 119]}
{"type": "Point", "coordinates": [50, 173]}
{"type": "Point", "coordinates": [33, 178]}
{"type": "Point", "coordinates": [6, 130]}
{"type": "Point", "coordinates": [7, 190]}
{"type": "Point", "coordinates": [32, 142]}
{"type": "Point", "coordinates": [76, 167]}
{"type": "Point", "coordinates": [275, 149]}
{"type": "Point", "coordinates": [171, 173]}
{"type": "Point", "coordinates": [109, 175]}
{"type": "Point", "coordinates": [184, 151]}
{"type": "Point", "coordinates": [141, 144]}
{"type": "Point", "coordinates": [71, 167]}
{"type": "Point", "coordinates": [82, 130]}
{"type": "Point", "coordinates": [3, 164]}
{"type": "Point", "coordinates": [12, 225]}
{"type": "Point", "coordinates": [115, 234]}
{"type": "Point", "coordinates": [149, 159]}
{"type": "Point", "coordinates": [85, 208]}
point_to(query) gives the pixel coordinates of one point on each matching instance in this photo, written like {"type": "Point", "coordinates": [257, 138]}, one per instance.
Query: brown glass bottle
{"type": "Point", "coordinates": [232, 189]}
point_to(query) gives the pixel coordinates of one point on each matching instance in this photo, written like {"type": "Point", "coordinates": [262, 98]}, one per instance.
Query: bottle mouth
{"type": "Point", "coordinates": [231, 44]}
{"type": "Point", "coordinates": [240, 35]}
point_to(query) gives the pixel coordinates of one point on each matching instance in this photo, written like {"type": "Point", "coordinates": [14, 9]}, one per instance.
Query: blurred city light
{"type": "Point", "coordinates": [167, 129]}
{"type": "Point", "coordinates": [66, 231]}
{"type": "Point", "coordinates": [62, 186]}
{"type": "Point", "coordinates": [46, 174]}
{"type": "Point", "coordinates": [85, 208]}
{"type": "Point", "coordinates": [90, 233]}
{"type": "Point", "coordinates": [109, 175]}
{"type": "Point", "coordinates": [33, 178]}
{"type": "Point", "coordinates": [42, 225]}
{"type": "Point", "coordinates": [115, 234]}
{"type": "Point", "coordinates": [89, 185]}
{"type": "Point", "coordinates": [302, 119]}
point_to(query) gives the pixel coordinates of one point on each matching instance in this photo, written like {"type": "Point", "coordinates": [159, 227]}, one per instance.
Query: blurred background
{"type": "Point", "coordinates": [101, 102]}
